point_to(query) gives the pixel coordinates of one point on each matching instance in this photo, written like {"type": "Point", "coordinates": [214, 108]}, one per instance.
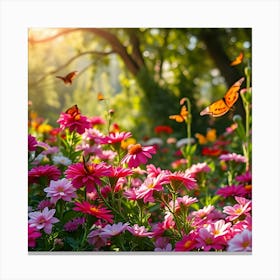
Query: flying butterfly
{"type": "Point", "coordinates": [222, 106]}
{"type": "Point", "coordinates": [237, 60]}
{"type": "Point", "coordinates": [74, 111]}
{"type": "Point", "coordinates": [68, 78]}
{"type": "Point", "coordinates": [100, 96]}
{"type": "Point", "coordinates": [180, 117]}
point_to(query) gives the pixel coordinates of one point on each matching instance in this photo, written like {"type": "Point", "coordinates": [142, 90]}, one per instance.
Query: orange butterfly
{"type": "Point", "coordinates": [100, 96]}
{"type": "Point", "coordinates": [182, 116]}
{"type": "Point", "coordinates": [74, 111]}
{"type": "Point", "coordinates": [68, 78]}
{"type": "Point", "coordinates": [238, 59]}
{"type": "Point", "coordinates": [223, 105]}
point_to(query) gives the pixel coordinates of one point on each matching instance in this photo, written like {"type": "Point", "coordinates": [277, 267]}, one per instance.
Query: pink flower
{"type": "Point", "coordinates": [114, 137]}
{"type": "Point", "coordinates": [187, 243]}
{"type": "Point", "coordinates": [183, 202]}
{"type": "Point", "coordinates": [233, 157]}
{"type": "Point", "coordinates": [96, 120]}
{"type": "Point", "coordinates": [244, 178]}
{"type": "Point", "coordinates": [60, 189]}
{"type": "Point", "coordinates": [177, 179]}
{"type": "Point", "coordinates": [49, 172]}
{"type": "Point", "coordinates": [231, 191]}
{"type": "Point", "coordinates": [75, 122]}
{"type": "Point", "coordinates": [113, 230]}
{"type": "Point", "coordinates": [219, 228]}
{"type": "Point", "coordinates": [88, 175]}
{"type": "Point", "coordinates": [241, 242]}
{"type": "Point", "coordinates": [153, 171]}
{"type": "Point", "coordinates": [138, 155]}
{"type": "Point", "coordinates": [95, 239]}
{"type": "Point", "coordinates": [149, 186]}
{"type": "Point", "coordinates": [43, 220]}
{"type": "Point", "coordinates": [33, 234]}
{"type": "Point", "coordinates": [97, 211]}
{"type": "Point", "coordinates": [74, 224]}
{"type": "Point", "coordinates": [199, 167]}
{"type": "Point", "coordinates": [32, 143]}
{"type": "Point", "coordinates": [140, 231]}
{"type": "Point", "coordinates": [44, 203]}
{"type": "Point", "coordinates": [238, 211]}
{"type": "Point", "coordinates": [206, 240]}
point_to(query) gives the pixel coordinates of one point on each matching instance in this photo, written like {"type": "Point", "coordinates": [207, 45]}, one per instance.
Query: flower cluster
{"type": "Point", "coordinates": [95, 191]}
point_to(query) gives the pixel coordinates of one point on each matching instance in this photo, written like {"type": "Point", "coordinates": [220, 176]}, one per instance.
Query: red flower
{"type": "Point", "coordinates": [97, 211]}
{"type": "Point", "coordinates": [163, 129]}
{"type": "Point", "coordinates": [87, 175]}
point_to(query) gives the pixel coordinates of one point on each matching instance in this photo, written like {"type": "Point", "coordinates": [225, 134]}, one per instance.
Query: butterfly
{"type": "Point", "coordinates": [182, 116]}
{"type": "Point", "coordinates": [68, 78]}
{"type": "Point", "coordinates": [237, 60]}
{"type": "Point", "coordinates": [100, 96]}
{"type": "Point", "coordinates": [74, 111]}
{"type": "Point", "coordinates": [222, 106]}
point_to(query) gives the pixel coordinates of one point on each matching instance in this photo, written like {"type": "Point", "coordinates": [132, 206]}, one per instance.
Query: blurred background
{"type": "Point", "coordinates": [142, 74]}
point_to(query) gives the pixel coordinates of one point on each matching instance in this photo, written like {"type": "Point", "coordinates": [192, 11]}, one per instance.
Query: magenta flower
{"type": "Point", "coordinates": [60, 189]}
{"type": "Point", "coordinates": [97, 211]}
{"type": "Point", "coordinates": [241, 242]}
{"type": "Point", "coordinates": [96, 120]}
{"type": "Point", "coordinates": [139, 231]}
{"type": "Point", "coordinates": [33, 234]}
{"type": "Point", "coordinates": [233, 157]}
{"type": "Point", "coordinates": [187, 243]}
{"type": "Point", "coordinates": [231, 191]}
{"type": "Point", "coordinates": [32, 143]}
{"type": "Point", "coordinates": [50, 172]}
{"type": "Point", "coordinates": [138, 155]}
{"type": "Point", "coordinates": [114, 137]}
{"type": "Point", "coordinates": [43, 220]}
{"type": "Point", "coordinates": [88, 175]}
{"type": "Point", "coordinates": [206, 240]}
{"type": "Point", "coordinates": [75, 122]}
{"type": "Point", "coordinates": [244, 178]}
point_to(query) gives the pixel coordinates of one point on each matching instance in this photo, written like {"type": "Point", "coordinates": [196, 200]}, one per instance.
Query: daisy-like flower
{"type": "Point", "coordinates": [44, 203]}
{"type": "Point", "coordinates": [149, 186]}
{"type": "Point", "coordinates": [183, 202]}
{"type": "Point", "coordinates": [178, 179]}
{"type": "Point", "coordinates": [179, 163]}
{"type": "Point", "coordinates": [187, 243]}
{"type": "Point", "coordinates": [139, 231]}
{"type": "Point", "coordinates": [33, 234]}
{"type": "Point", "coordinates": [97, 211]}
{"type": "Point", "coordinates": [244, 178]}
{"type": "Point", "coordinates": [138, 155]}
{"type": "Point", "coordinates": [162, 245]}
{"type": "Point", "coordinates": [206, 240]}
{"type": "Point", "coordinates": [32, 143]}
{"type": "Point", "coordinates": [95, 239]}
{"type": "Point", "coordinates": [199, 167]}
{"type": "Point", "coordinates": [43, 220]}
{"type": "Point", "coordinates": [233, 157]}
{"type": "Point", "coordinates": [75, 122]}
{"type": "Point", "coordinates": [89, 175]}
{"type": "Point", "coordinates": [231, 191]}
{"type": "Point", "coordinates": [163, 129]}
{"type": "Point", "coordinates": [60, 189]}
{"type": "Point", "coordinates": [241, 242]}
{"type": "Point", "coordinates": [238, 211]}
{"type": "Point", "coordinates": [112, 230]}
{"type": "Point", "coordinates": [60, 159]}
{"type": "Point", "coordinates": [219, 228]}
{"type": "Point", "coordinates": [50, 172]}
{"type": "Point", "coordinates": [74, 224]}
{"type": "Point", "coordinates": [114, 137]}
{"type": "Point", "coordinates": [96, 120]}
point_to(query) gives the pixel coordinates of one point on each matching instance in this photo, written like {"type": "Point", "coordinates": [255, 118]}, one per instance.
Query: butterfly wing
{"type": "Point", "coordinates": [216, 109]}
{"type": "Point", "coordinates": [232, 94]}
{"type": "Point", "coordinates": [69, 77]}
{"type": "Point", "coordinates": [182, 116]}
{"type": "Point", "coordinates": [237, 60]}
{"type": "Point", "coordinates": [73, 111]}
{"type": "Point", "coordinates": [100, 96]}
{"type": "Point", "coordinates": [222, 106]}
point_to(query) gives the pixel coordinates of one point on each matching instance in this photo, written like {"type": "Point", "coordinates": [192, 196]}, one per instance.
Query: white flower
{"type": "Point", "coordinates": [60, 159]}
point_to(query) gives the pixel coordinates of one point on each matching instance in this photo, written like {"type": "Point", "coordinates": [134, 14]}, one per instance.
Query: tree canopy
{"type": "Point", "coordinates": [141, 72]}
